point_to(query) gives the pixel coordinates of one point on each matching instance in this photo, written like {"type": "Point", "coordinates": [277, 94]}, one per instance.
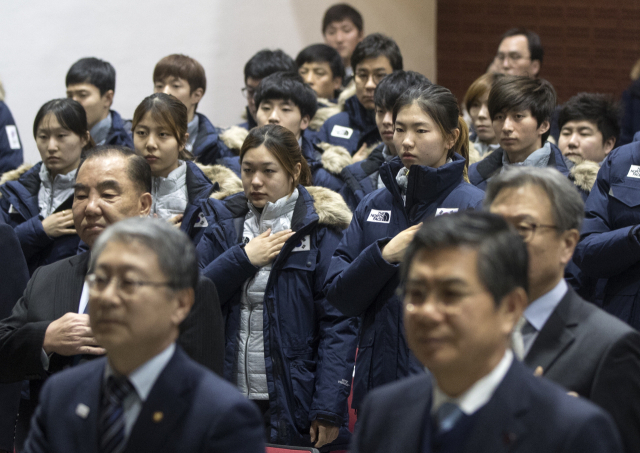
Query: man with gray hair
{"type": "Point", "coordinates": [560, 335]}
{"type": "Point", "coordinates": [147, 395]}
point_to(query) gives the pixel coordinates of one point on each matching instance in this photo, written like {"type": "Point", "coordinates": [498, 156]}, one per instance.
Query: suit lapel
{"type": "Point", "coordinates": [86, 406]}
{"type": "Point", "coordinates": [554, 338]}
{"type": "Point", "coordinates": [500, 423]}
{"type": "Point", "coordinates": [68, 285]}
{"type": "Point", "coordinates": [414, 418]}
{"type": "Point", "coordinates": [164, 407]}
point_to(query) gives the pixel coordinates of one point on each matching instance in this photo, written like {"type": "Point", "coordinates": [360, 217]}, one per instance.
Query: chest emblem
{"type": "Point", "coordinates": [379, 216]}
{"type": "Point", "coordinates": [341, 132]}
{"type": "Point", "coordinates": [443, 211]}
{"type": "Point", "coordinates": [634, 172]}
{"type": "Point", "coordinates": [303, 245]}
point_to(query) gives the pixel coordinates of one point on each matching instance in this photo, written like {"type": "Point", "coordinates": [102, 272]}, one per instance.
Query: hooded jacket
{"type": "Point", "coordinates": [361, 178]}
{"type": "Point", "coordinates": [118, 134]}
{"type": "Point", "coordinates": [10, 145]}
{"type": "Point", "coordinates": [209, 149]}
{"type": "Point", "coordinates": [19, 207]}
{"type": "Point", "coordinates": [609, 246]}
{"type": "Point", "coordinates": [362, 283]}
{"type": "Point", "coordinates": [309, 347]}
{"type": "Point", "coordinates": [351, 128]}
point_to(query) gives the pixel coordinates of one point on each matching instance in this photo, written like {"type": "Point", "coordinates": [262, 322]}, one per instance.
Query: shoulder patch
{"type": "Point", "coordinates": [379, 216]}
{"type": "Point", "coordinates": [634, 172]}
{"type": "Point", "coordinates": [303, 245]}
{"type": "Point", "coordinates": [341, 132]}
{"type": "Point", "coordinates": [12, 135]}
{"type": "Point", "coordinates": [443, 211]}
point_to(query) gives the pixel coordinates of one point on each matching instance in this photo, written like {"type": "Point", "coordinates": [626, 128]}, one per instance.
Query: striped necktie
{"type": "Point", "coordinates": [111, 423]}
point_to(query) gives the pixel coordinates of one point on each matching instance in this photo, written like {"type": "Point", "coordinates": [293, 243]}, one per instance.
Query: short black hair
{"type": "Point", "coordinates": [535, 46]}
{"type": "Point", "coordinates": [266, 62]}
{"type": "Point", "coordinates": [503, 261]}
{"type": "Point", "coordinates": [393, 85]}
{"type": "Point", "coordinates": [340, 12]}
{"type": "Point", "coordinates": [98, 73]}
{"type": "Point", "coordinates": [138, 169]}
{"type": "Point", "coordinates": [321, 53]}
{"type": "Point", "coordinates": [288, 86]}
{"type": "Point", "coordinates": [376, 45]}
{"type": "Point", "coordinates": [523, 93]}
{"type": "Point", "coordinates": [600, 109]}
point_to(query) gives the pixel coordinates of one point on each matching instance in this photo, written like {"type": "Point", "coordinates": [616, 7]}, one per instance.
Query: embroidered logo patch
{"type": "Point", "coordinates": [12, 135]}
{"type": "Point", "coordinates": [341, 132]}
{"type": "Point", "coordinates": [379, 216]}
{"type": "Point", "coordinates": [634, 172]}
{"type": "Point", "coordinates": [303, 245]}
{"type": "Point", "coordinates": [443, 211]}
{"type": "Point", "coordinates": [344, 382]}
{"type": "Point", "coordinates": [202, 222]}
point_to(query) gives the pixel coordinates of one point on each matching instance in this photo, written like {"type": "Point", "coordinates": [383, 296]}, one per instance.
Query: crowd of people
{"type": "Point", "coordinates": [355, 248]}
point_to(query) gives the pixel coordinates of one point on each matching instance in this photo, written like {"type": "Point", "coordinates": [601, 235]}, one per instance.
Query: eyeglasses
{"type": "Point", "coordinates": [124, 287]}
{"type": "Point", "coordinates": [513, 57]}
{"type": "Point", "coordinates": [364, 76]}
{"type": "Point", "coordinates": [248, 92]}
{"type": "Point", "coordinates": [528, 230]}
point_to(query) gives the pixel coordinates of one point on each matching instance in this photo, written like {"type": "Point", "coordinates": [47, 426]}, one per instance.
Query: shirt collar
{"type": "Point", "coordinates": [192, 128]}
{"type": "Point", "coordinates": [100, 131]}
{"type": "Point", "coordinates": [479, 393]}
{"type": "Point", "coordinates": [540, 309]}
{"type": "Point", "coordinates": [538, 158]}
{"type": "Point", "coordinates": [143, 377]}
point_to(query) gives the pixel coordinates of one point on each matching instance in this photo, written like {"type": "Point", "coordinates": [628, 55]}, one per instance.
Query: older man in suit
{"type": "Point", "coordinates": [146, 395]}
{"type": "Point", "coordinates": [48, 329]}
{"type": "Point", "coordinates": [567, 339]}
{"type": "Point", "coordinates": [465, 281]}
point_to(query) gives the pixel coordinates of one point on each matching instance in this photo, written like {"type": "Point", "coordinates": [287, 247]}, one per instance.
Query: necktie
{"type": "Point", "coordinates": [447, 416]}
{"type": "Point", "coordinates": [111, 423]}
{"type": "Point", "coordinates": [523, 335]}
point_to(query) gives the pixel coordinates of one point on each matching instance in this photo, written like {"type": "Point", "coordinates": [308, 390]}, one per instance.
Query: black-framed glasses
{"type": "Point", "coordinates": [364, 76]}
{"type": "Point", "coordinates": [513, 57]}
{"type": "Point", "coordinates": [528, 230]}
{"type": "Point", "coordinates": [248, 92]}
{"type": "Point", "coordinates": [124, 286]}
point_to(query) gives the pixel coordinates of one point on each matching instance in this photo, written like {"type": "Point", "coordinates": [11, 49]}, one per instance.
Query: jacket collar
{"type": "Point", "coordinates": [198, 185]}
{"type": "Point", "coordinates": [364, 119]}
{"type": "Point", "coordinates": [23, 193]}
{"type": "Point", "coordinates": [208, 135]}
{"type": "Point", "coordinates": [426, 184]}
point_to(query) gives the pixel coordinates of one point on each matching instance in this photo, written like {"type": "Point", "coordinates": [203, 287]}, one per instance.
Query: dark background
{"type": "Point", "coordinates": [588, 45]}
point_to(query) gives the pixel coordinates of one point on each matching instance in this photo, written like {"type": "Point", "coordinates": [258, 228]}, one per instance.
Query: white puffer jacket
{"type": "Point", "coordinates": [251, 377]}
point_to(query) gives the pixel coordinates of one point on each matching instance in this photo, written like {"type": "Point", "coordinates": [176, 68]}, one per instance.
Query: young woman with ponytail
{"type": "Point", "coordinates": [426, 179]}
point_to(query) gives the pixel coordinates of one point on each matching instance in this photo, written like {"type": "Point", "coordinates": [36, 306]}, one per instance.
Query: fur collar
{"type": "Point", "coordinates": [334, 158]}
{"type": "Point", "coordinates": [14, 175]}
{"type": "Point", "coordinates": [234, 138]}
{"type": "Point", "coordinates": [330, 207]}
{"type": "Point", "coordinates": [227, 180]}
{"type": "Point", "coordinates": [584, 174]}
{"type": "Point", "coordinates": [331, 109]}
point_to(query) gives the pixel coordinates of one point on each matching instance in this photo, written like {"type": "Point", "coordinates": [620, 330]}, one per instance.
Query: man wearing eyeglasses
{"type": "Point", "coordinates": [519, 53]}
{"type": "Point", "coordinates": [147, 395]}
{"type": "Point", "coordinates": [48, 329]}
{"type": "Point", "coordinates": [355, 128]}
{"type": "Point", "coordinates": [560, 335]}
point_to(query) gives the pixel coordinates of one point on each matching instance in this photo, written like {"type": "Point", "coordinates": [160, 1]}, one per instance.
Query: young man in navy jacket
{"type": "Point", "coordinates": [92, 83]}
{"type": "Point", "coordinates": [355, 128]}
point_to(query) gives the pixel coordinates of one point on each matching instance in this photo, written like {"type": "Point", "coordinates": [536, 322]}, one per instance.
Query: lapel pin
{"type": "Point", "coordinates": [82, 410]}
{"type": "Point", "coordinates": [158, 416]}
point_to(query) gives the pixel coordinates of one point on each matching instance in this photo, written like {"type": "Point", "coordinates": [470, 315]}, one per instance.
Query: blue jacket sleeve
{"type": "Point", "coordinates": [604, 251]}
{"type": "Point", "coordinates": [32, 237]}
{"type": "Point", "coordinates": [10, 146]}
{"type": "Point", "coordinates": [357, 272]}
{"type": "Point", "coordinates": [229, 271]}
{"type": "Point", "coordinates": [337, 348]}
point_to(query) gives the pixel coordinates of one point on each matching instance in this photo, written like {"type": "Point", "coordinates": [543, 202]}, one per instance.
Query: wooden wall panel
{"type": "Point", "coordinates": [588, 45]}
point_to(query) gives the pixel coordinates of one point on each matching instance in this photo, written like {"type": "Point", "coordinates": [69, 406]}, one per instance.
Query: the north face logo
{"type": "Point", "coordinates": [379, 216]}
{"type": "Point", "coordinates": [634, 172]}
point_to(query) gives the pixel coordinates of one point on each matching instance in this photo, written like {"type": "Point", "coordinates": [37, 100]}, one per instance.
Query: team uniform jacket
{"type": "Point", "coordinates": [351, 128]}
{"type": "Point", "coordinates": [609, 247]}
{"type": "Point", "coordinates": [309, 346]}
{"type": "Point", "coordinates": [361, 283]}
{"type": "Point", "coordinates": [118, 134]}
{"type": "Point", "coordinates": [10, 144]}
{"type": "Point", "coordinates": [208, 148]}
{"type": "Point", "coordinates": [19, 206]}
{"type": "Point", "coordinates": [361, 178]}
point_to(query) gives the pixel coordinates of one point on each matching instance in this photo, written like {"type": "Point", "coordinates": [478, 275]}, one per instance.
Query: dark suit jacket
{"type": "Point", "coordinates": [55, 289]}
{"type": "Point", "coordinates": [200, 412]}
{"type": "Point", "coordinates": [594, 354]}
{"type": "Point", "coordinates": [525, 414]}
{"type": "Point", "coordinates": [14, 276]}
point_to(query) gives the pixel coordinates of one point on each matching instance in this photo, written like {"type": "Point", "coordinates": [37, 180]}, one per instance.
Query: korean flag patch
{"type": "Point", "coordinates": [303, 245]}
{"type": "Point", "coordinates": [202, 222]}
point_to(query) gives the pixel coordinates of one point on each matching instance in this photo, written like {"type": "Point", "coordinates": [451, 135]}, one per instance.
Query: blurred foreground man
{"type": "Point", "coordinates": [465, 279]}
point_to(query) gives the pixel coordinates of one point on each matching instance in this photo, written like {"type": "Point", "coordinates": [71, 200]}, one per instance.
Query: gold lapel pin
{"type": "Point", "coordinates": [158, 416]}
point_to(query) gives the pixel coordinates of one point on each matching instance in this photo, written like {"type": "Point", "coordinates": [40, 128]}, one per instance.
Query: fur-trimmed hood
{"type": "Point", "coordinates": [331, 108]}
{"type": "Point", "coordinates": [330, 207]}
{"type": "Point", "coordinates": [334, 158]}
{"type": "Point", "coordinates": [14, 175]}
{"type": "Point", "coordinates": [227, 180]}
{"type": "Point", "coordinates": [234, 137]}
{"type": "Point", "coordinates": [584, 174]}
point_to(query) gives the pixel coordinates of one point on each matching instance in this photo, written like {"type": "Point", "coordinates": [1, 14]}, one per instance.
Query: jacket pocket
{"type": "Point", "coordinates": [304, 261]}
{"type": "Point", "coordinates": [629, 195]}
{"type": "Point", "coordinates": [303, 380]}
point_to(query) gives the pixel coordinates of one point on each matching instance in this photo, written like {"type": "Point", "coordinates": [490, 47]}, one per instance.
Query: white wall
{"type": "Point", "coordinates": [41, 39]}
